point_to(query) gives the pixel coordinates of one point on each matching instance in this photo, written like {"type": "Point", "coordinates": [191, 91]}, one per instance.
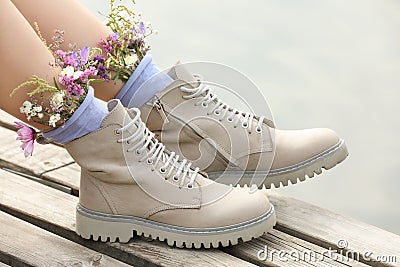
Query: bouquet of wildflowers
{"type": "Point", "coordinates": [125, 47]}
{"type": "Point", "coordinates": [53, 104]}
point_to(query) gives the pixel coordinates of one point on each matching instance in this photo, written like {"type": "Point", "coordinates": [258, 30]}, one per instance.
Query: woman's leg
{"type": "Point", "coordinates": [80, 25]}
{"type": "Point", "coordinates": [22, 54]}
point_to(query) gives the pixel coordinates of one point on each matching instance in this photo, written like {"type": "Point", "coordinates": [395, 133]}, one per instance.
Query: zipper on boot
{"type": "Point", "coordinates": [160, 108]}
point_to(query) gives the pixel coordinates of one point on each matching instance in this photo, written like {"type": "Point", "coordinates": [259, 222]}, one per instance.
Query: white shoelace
{"type": "Point", "coordinates": [221, 108]}
{"type": "Point", "coordinates": [143, 141]}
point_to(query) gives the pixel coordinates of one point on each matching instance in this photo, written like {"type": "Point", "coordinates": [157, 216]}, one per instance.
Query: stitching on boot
{"type": "Point", "coordinates": [103, 193]}
{"type": "Point", "coordinates": [165, 207]}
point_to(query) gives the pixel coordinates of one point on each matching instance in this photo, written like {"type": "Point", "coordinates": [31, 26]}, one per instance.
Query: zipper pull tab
{"type": "Point", "coordinates": [160, 109]}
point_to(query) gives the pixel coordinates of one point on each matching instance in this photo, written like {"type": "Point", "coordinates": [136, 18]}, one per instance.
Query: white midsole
{"type": "Point", "coordinates": [90, 224]}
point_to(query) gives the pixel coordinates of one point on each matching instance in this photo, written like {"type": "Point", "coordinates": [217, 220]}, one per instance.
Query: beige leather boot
{"type": "Point", "coordinates": [129, 182]}
{"type": "Point", "coordinates": [232, 146]}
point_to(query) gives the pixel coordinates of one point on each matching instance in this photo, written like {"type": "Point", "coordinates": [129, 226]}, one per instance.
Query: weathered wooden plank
{"type": "Point", "coordinates": [299, 219]}
{"type": "Point", "coordinates": [23, 243]}
{"type": "Point", "coordinates": [46, 157]}
{"type": "Point", "coordinates": [6, 120]}
{"type": "Point", "coordinates": [326, 229]}
{"type": "Point", "coordinates": [55, 211]}
{"type": "Point", "coordinates": [282, 249]}
{"type": "Point", "coordinates": [49, 162]}
{"type": "Point", "coordinates": [67, 176]}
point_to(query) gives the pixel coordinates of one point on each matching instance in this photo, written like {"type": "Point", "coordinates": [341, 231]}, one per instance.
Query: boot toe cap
{"type": "Point", "coordinates": [293, 147]}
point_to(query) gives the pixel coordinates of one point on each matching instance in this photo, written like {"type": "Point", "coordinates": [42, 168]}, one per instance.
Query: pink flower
{"type": "Point", "coordinates": [91, 71]}
{"type": "Point", "coordinates": [65, 80]}
{"type": "Point", "coordinates": [70, 61]}
{"type": "Point", "coordinates": [27, 136]}
{"type": "Point", "coordinates": [75, 89]}
{"type": "Point", "coordinates": [61, 53]}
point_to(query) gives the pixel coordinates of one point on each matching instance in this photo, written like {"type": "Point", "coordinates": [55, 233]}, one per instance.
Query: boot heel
{"type": "Point", "coordinates": [101, 229]}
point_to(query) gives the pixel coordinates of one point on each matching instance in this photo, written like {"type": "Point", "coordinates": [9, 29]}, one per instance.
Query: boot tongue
{"type": "Point", "coordinates": [180, 72]}
{"type": "Point", "coordinates": [119, 115]}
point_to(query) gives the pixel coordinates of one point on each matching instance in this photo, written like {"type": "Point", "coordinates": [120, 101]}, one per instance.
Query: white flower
{"type": "Point", "coordinates": [27, 104]}
{"type": "Point", "coordinates": [77, 74]}
{"type": "Point", "coordinates": [37, 108]}
{"type": "Point", "coordinates": [130, 60]}
{"type": "Point", "coordinates": [57, 101]}
{"type": "Point", "coordinates": [26, 107]}
{"type": "Point", "coordinates": [40, 115]}
{"type": "Point", "coordinates": [69, 71]}
{"type": "Point", "coordinates": [53, 119]}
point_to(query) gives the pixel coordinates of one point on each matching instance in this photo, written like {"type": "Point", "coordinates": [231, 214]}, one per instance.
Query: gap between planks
{"type": "Point", "coordinates": [37, 247]}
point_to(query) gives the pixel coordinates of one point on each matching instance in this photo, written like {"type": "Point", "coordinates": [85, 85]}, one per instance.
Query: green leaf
{"type": "Point", "coordinates": [55, 83]}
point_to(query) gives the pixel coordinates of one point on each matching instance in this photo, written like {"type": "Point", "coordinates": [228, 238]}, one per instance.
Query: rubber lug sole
{"type": "Point", "coordinates": [117, 228]}
{"type": "Point", "coordinates": [288, 175]}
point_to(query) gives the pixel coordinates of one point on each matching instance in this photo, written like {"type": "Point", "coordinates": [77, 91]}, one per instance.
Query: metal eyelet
{"type": "Point", "coordinates": [162, 170]}
{"type": "Point", "coordinates": [138, 152]}
{"type": "Point", "coordinates": [149, 161]}
{"type": "Point", "coordinates": [176, 178]}
{"type": "Point", "coordinates": [189, 186]}
{"type": "Point", "coordinates": [245, 125]}
{"type": "Point", "coordinates": [259, 130]}
{"type": "Point", "coordinates": [204, 104]}
{"type": "Point", "coordinates": [229, 119]}
{"type": "Point", "coordinates": [117, 132]}
{"type": "Point", "coordinates": [217, 112]}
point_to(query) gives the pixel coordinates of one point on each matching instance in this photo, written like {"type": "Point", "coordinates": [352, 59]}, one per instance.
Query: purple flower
{"type": "Point", "coordinates": [114, 37]}
{"type": "Point", "coordinates": [142, 28]}
{"type": "Point", "coordinates": [106, 46]}
{"type": "Point", "coordinates": [141, 31]}
{"type": "Point", "coordinates": [85, 54]}
{"type": "Point", "coordinates": [101, 70]}
{"type": "Point", "coordinates": [110, 43]}
{"type": "Point", "coordinates": [26, 135]}
{"type": "Point", "coordinates": [99, 59]}
{"type": "Point", "coordinates": [74, 55]}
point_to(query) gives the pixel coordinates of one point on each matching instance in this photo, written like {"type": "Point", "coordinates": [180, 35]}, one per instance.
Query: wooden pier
{"type": "Point", "coordinates": [38, 197]}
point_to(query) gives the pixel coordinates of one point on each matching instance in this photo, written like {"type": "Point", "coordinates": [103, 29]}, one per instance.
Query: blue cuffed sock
{"type": "Point", "coordinates": [86, 119]}
{"type": "Point", "coordinates": [146, 81]}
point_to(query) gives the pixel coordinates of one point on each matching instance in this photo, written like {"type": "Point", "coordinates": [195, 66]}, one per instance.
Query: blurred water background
{"type": "Point", "coordinates": [331, 63]}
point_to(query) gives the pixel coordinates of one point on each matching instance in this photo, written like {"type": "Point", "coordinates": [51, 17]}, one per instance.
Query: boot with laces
{"type": "Point", "coordinates": [232, 146]}
{"type": "Point", "coordinates": [130, 182]}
